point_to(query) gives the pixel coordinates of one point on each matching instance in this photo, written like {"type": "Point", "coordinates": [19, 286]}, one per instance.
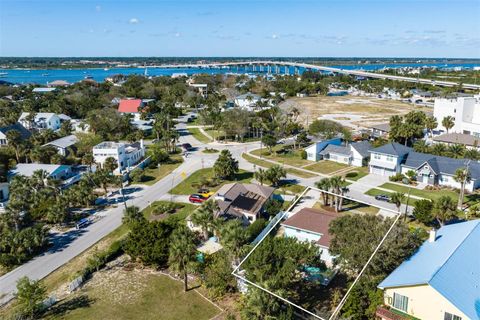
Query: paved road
{"type": "Point", "coordinates": [69, 245]}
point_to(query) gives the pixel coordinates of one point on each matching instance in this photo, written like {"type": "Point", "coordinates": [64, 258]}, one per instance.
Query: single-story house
{"type": "Point", "coordinates": [242, 201]}
{"type": "Point", "coordinates": [63, 144]}
{"type": "Point", "coordinates": [469, 141]}
{"type": "Point", "coordinates": [437, 170]}
{"type": "Point", "coordinates": [394, 158]}
{"type": "Point", "coordinates": [355, 154]}
{"type": "Point", "coordinates": [131, 106]}
{"type": "Point", "coordinates": [58, 83]}
{"type": "Point", "coordinates": [311, 225]}
{"type": "Point", "coordinates": [55, 171]}
{"type": "Point", "coordinates": [380, 130]}
{"type": "Point", "coordinates": [440, 281]}
{"type": "Point", "coordinates": [43, 90]}
{"type": "Point", "coordinates": [313, 151]}
{"type": "Point", "coordinates": [24, 133]}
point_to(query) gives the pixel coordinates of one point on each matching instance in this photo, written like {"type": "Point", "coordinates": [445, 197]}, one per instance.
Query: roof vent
{"type": "Point", "coordinates": [433, 235]}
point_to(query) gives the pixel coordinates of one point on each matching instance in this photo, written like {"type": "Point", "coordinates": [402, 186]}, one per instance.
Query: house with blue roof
{"type": "Point", "coordinates": [441, 281]}
{"type": "Point", "coordinates": [429, 169]}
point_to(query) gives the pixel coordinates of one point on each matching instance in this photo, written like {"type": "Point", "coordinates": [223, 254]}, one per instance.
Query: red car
{"type": "Point", "coordinates": [197, 198]}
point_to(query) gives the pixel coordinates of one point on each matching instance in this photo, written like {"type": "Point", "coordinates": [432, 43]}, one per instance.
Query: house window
{"type": "Point", "coordinates": [389, 158]}
{"type": "Point", "coordinates": [400, 302]}
{"type": "Point", "coordinates": [376, 156]}
{"type": "Point", "coordinates": [449, 316]}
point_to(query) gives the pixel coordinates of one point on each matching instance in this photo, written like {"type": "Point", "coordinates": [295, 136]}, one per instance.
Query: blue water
{"type": "Point", "coordinates": [74, 75]}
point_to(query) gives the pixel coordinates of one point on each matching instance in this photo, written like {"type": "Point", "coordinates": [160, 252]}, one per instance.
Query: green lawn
{"type": "Point", "coordinates": [375, 192]}
{"type": "Point", "coordinates": [216, 134]}
{"type": "Point", "coordinates": [154, 175]}
{"type": "Point", "coordinates": [290, 188]}
{"type": "Point", "coordinates": [427, 194]}
{"type": "Point", "coordinates": [188, 186]}
{"type": "Point", "coordinates": [182, 210]}
{"type": "Point", "coordinates": [284, 155]}
{"type": "Point", "coordinates": [122, 294]}
{"type": "Point", "coordinates": [325, 166]}
{"type": "Point", "coordinates": [197, 134]}
{"type": "Point", "coordinates": [266, 164]}
{"type": "Point", "coordinates": [361, 172]}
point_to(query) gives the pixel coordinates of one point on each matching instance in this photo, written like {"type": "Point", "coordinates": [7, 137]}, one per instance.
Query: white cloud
{"type": "Point", "coordinates": [274, 36]}
{"type": "Point", "coordinates": [178, 34]}
{"type": "Point", "coordinates": [133, 21]}
{"type": "Point", "coordinates": [98, 8]}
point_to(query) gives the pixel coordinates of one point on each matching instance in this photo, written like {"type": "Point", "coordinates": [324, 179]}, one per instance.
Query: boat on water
{"type": "Point", "coordinates": [45, 74]}
{"type": "Point", "coordinates": [3, 74]}
{"type": "Point", "coordinates": [88, 76]}
{"type": "Point", "coordinates": [105, 69]}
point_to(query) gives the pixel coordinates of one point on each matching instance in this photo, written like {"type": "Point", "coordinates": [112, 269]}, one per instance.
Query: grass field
{"type": "Point", "coordinates": [427, 194]}
{"type": "Point", "coordinates": [283, 155]}
{"type": "Point", "coordinates": [325, 167]}
{"type": "Point", "coordinates": [197, 134]}
{"type": "Point", "coordinates": [361, 172]}
{"type": "Point", "coordinates": [154, 175]}
{"type": "Point", "coordinates": [266, 164]}
{"type": "Point", "coordinates": [181, 212]}
{"type": "Point", "coordinates": [137, 294]}
{"type": "Point", "coordinates": [375, 192]}
{"type": "Point", "coordinates": [187, 186]}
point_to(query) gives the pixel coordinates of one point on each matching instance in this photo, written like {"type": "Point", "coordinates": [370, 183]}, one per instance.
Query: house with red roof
{"type": "Point", "coordinates": [312, 225]}
{"type": "Point", "coordinates": [131, 106]}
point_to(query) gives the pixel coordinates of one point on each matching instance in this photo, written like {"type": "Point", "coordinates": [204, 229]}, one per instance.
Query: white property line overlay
{"type": "Point", "coordinates": [340, 305]}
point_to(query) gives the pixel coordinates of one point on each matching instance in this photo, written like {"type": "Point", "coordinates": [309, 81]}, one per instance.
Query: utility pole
{"type": "Point", "coordinates": [406, 205]}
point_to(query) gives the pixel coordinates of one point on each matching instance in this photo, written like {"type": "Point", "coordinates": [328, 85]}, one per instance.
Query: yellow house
{"type": "Point", "coordinates": [441, 281]}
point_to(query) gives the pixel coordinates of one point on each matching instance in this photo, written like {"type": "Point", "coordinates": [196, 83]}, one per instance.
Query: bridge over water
{"type": "Point", "coordinates": [285, 66]}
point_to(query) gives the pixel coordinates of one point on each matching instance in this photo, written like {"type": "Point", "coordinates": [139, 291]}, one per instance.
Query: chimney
{"type": "Point", "coordinates": [141, 144]}
{"type": "Point", "coordinates": [433, 235]}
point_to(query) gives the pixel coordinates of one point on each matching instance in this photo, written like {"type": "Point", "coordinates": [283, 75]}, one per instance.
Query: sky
{"type": "Point", "coordinates": [296, 28]}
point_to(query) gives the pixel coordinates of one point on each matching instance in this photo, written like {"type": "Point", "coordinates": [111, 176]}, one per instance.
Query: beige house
{"type": "Point", "coordinates": [441, 281]}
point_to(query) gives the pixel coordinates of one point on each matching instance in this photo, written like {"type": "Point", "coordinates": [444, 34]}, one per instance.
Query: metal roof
{"type": "Point", "coordinates": [450, 265]}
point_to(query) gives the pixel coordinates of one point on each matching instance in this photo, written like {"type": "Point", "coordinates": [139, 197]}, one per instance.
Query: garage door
{"type": "Point", "coordinates": [377, 170]}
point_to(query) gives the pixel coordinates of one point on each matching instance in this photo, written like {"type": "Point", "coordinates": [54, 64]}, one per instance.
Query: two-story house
{"type": "Point", "coordinates": [387, 159]}
{"type": "Point", "coordinates": [24, 133]}
{"type": "Point", "coordinates": [441, 281]}
{"type": "Point", "coordinates": [40, 121]}
{"type": "Point", "coordinates": [126, 155]}
{"type": "Point", "coordinates": [133, 107]}
{"type": "Point", "coordinates": [313, 150]}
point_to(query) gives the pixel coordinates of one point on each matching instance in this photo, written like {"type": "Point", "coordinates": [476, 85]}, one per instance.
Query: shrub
{"type": "Point", "coordinates": [164, 207]}
{"type": "Point", "coordinates": [255, 228]}
{"type": "Point", "coordinates": [397, 177]}
{"type": "Point", "coordinates": [100, 259]}
{"type": "Point", "coordinates": [137, 175]}
{"type": "Point", "coordinates": [272, 207]}
{"type": "Point", "coordinates": [303, 154]}
{"type": "Point", "coordinates": [352, 174]}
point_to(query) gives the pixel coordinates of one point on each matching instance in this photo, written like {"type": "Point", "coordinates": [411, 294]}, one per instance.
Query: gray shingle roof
{"type": "Point", "coordinates": [64, 142]}
{"type": "Point", "coordinates": [24, 133]}
{"type": "Point", "coordinates": [331, 148]}
{"type": "Point", "coordinates": [362, 147]}
{"type": "Point", "coordinates": [392, 148]}
{"type": "Point", "coordinates": [458, 138]}
{"type": "Point", "coordinates": [442, 165]}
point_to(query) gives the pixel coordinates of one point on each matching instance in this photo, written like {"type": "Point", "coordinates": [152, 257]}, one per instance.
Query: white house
{"type": "Point", "coordinates": [247, 100]}
{"type": "Point", "coordinates": [4, 190]}
{"type": "Point", "coordinates": [126, 155]}
{"type": "Point", "coordinates": [134, 107]}
{"type": "Point", "coordinates": [311, 225]}
{"type": "Point", "coordinates": [41, 120]}
{"type": "Point", "coordinates": [465, 111]}
{"type": "Point", "coordinates": [355, 154]}
{"type": "Point", "coordinates": [63, 144]}
{"type": "Point", "coordinates": [387, 159]}
{"type": "Point", "coordinates": [313, 151]}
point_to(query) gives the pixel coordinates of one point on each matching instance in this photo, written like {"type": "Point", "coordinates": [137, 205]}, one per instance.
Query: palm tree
{"type": "Point", "coordinates": [260, 175]}
{"type": "Point", "coordinates": [203, 216]}
{"type": "Point", "coordinates": [421, 146]}
{"type": "Point", "coordinates": [275, 173]}
{"type": "Point", "coordinates": [431, 123]}
{"type": "Point", "coordinates": [397, 199]}
{"type": "Point", "coordinates": [456, 151]}
{"type": "Point", "coordinates": [439, 149]}
{"type": "Point", "coordinates": [324, 184]}
{"type": "Point", "coordinates": [462, 176]}
{"type": "Point", "coordinates": [89, 160]}
{"type": "Point", "coordinates": [232, 237]}
{"type": "Point", "coordinates": [443, 209]}
{"type": "Point", "coordinates": [472, 154]}
{"type": "Point", "coordinates": [132, 214]}
{"type": "Point", "coordinates": [336, 184]}
{"type": "Point", "coordinates": [448, 122]}
{"type": "Point", "coordinates": [182, 252]}
{"type": "Point", "coordinates": [14, 140]}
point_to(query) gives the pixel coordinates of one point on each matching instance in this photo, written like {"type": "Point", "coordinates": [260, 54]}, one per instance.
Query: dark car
{"type": "Point", "coordinates": [382, 197]}
{"type": "Point", "coordinates": [186, 146]}
{"type": "Point", "coordinates": [197, 198]}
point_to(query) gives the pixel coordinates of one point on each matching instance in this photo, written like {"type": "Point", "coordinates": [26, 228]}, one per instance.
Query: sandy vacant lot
{"type": "Point", "coordinates": [356, 112]}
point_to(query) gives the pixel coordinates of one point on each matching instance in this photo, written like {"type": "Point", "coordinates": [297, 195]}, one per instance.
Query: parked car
{"type": "Point", "coordinates": [382, 197]}
{"type": "Point", "coordinates": [186, 146]}
{"type": "Point", "coordinates": [197, 198]}
{"type": "Point", "coordinates": [205, 193]}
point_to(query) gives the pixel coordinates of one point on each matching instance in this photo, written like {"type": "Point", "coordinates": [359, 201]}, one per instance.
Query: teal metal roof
{"type": "Point", "coordinates": [450, 265]}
